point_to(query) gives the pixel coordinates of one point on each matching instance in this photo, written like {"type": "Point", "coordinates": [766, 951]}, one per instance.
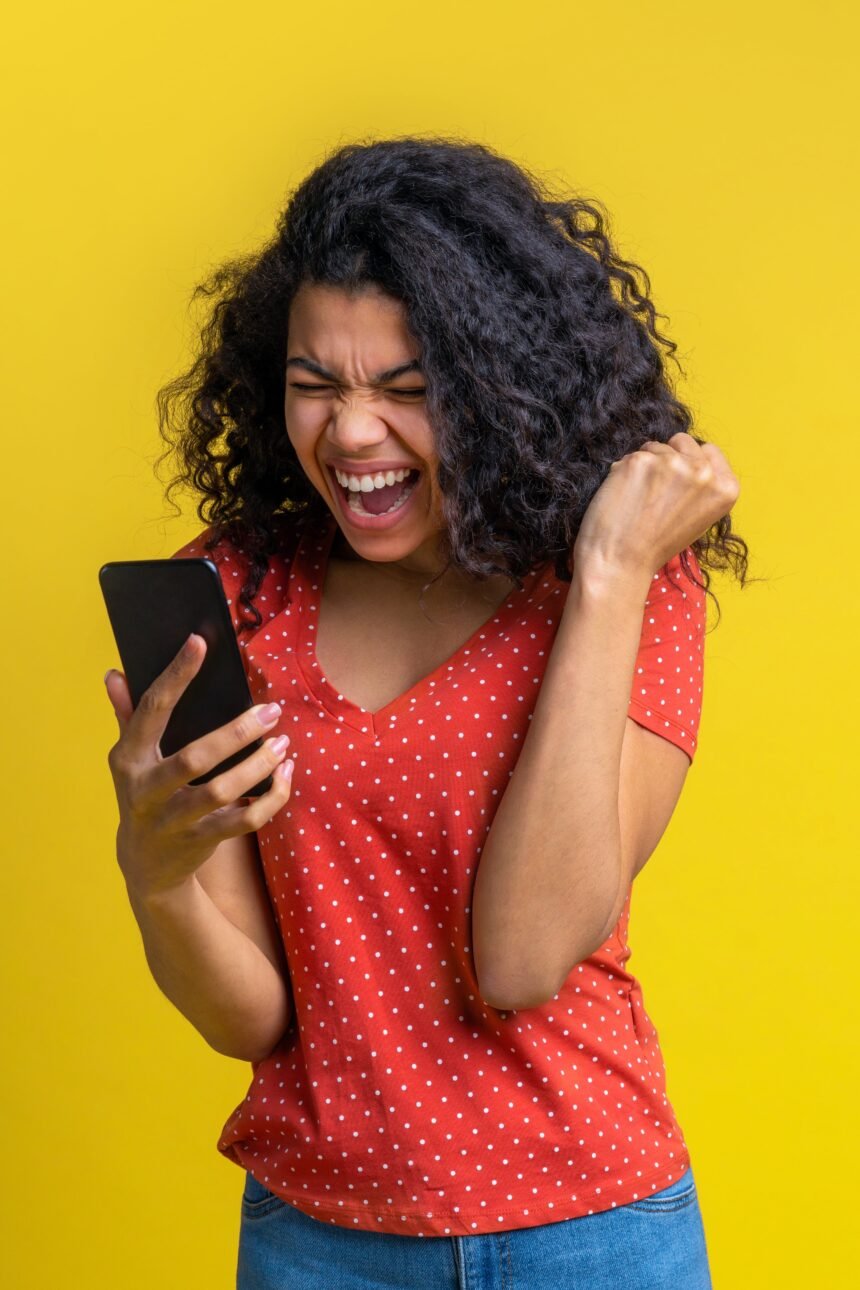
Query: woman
{"type": "Point", "coordinates": [464, 533]}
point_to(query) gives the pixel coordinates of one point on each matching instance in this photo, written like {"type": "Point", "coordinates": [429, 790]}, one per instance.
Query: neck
{"type": "Point", "coordinates": [417, 569]}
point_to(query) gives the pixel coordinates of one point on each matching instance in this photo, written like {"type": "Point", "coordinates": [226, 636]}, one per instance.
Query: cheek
{"type": "Point", "coordinates": [303, 434]}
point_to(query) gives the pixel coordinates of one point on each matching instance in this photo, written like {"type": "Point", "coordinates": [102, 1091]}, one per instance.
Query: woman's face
{"type": "Point", "coordinates": [355, 421]}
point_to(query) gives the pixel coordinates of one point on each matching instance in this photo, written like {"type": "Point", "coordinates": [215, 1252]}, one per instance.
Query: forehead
{"type": "Point", "coordinates": [321, 309]}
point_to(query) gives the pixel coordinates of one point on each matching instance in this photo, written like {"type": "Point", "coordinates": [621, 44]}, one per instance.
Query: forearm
{"type": "Point", "coordinates": [216, 976]}
{"type": "Point", "coordinates": [548, 881]}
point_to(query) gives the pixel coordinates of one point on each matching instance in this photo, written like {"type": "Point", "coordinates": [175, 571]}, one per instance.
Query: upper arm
{"type": "Point", "coordinates": [661, 730]}
{"type": "Point", "coordinates": [653, 772]}
{"type": "Point", "coordinates": [233, 879]}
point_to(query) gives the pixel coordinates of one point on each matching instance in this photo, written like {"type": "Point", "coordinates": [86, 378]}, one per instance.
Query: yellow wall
{"type": "Point", "coordinates": [148, 142]}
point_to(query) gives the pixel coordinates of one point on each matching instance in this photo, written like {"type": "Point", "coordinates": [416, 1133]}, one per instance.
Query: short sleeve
{"type": "Point", "coordinates": [666, 695]}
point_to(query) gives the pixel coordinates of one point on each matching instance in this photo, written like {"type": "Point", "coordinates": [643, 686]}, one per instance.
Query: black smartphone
{"type": "Point", "coordinates": [153, 607]}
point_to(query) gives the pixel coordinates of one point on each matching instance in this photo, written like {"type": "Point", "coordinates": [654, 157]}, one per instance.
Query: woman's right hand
{"type": "Point", "coordinates": [167, 827]}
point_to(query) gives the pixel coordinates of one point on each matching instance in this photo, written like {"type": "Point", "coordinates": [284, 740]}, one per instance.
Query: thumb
{"type": "Point", "coordinates": [117, 691]}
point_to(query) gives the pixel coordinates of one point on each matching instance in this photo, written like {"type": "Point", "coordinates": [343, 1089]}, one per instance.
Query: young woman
{"type": "Point", "coordinates": [464, 532]}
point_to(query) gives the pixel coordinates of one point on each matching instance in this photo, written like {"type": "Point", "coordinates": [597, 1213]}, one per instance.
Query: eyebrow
{"type": "Point", "coordinates": [381, 378]}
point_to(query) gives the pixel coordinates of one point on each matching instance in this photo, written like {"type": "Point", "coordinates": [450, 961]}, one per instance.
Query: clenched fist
{"type": "Point", "coordinates": [653, 504]}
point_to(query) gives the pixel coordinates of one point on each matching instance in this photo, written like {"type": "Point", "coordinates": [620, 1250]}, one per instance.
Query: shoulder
{"type": "Point", "coordinates": [230, 552]}
{"type": "Point", "coordinates": [676, 590]}
{"type": "Point", "coordinates": [234, 562]}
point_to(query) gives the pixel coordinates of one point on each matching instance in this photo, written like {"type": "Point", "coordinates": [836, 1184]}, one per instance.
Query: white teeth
{"type": "Point", "coordinates": [355, 502]}
{"type": "Point", "coordinates": [367, 483]}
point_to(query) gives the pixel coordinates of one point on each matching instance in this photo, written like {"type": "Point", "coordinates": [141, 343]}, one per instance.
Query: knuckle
{"type": "Point", "coordinates": [263, 811]}
{"type": "Point", "coordinates": [216, 793]}
{"type": "Point", "coordinates": [257, 814]}
{"type": "Point", "coordinates": [246, 727]}
{"type": "Point", "coordinates": [190, 762]}
{"type": "Point", "coordinates": [152, 700]}
{"type": "Point", "coordinates": [118, 761]}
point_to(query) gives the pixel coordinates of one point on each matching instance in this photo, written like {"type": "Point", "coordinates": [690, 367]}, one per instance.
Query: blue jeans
{"type": "Point", "coordinates": [657, 1243]}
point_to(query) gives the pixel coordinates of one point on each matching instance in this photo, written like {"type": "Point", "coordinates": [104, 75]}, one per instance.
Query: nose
{"type": "Point", "coordinates": [353, 428]}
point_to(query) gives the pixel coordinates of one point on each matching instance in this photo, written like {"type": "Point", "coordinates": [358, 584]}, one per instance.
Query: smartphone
{"type": "Point", "coordinates": [153, 607]}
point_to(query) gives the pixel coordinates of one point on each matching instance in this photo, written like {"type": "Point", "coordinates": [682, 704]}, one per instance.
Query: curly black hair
{"type": "Point", "coordinates": [539, 345]}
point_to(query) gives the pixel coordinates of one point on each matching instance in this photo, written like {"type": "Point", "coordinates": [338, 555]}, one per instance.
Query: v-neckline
{"type": "Point", "coordinates": [311, 565]}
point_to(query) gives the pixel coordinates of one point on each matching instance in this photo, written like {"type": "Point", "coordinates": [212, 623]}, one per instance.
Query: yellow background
{"type": "Point", "coordinates": [150, 141]}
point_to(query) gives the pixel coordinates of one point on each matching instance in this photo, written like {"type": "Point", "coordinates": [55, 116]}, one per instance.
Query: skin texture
{"type": "Point", "coordinates": [355, 337]}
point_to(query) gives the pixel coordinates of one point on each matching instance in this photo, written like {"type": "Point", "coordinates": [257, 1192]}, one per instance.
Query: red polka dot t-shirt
{"type": "Point", "coordinates": [398, 1100]}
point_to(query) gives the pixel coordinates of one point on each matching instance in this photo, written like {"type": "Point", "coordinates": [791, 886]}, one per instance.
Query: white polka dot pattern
{"type": "Point", "coordinates": [398, 1100]}
{"type": "Point", "coordinates": [667, 682]}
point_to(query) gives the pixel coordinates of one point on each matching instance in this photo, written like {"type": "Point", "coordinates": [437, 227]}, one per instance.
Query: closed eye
{"type": "Point", "coordinates": [411, 393]}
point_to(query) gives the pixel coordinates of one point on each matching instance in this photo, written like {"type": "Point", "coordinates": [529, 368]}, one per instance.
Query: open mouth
{"type": "Point", "coordinates": [378, 494]}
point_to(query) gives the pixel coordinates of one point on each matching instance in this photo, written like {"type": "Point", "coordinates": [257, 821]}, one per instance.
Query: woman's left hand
{"type": "Point", "coordinates": [653, 504]}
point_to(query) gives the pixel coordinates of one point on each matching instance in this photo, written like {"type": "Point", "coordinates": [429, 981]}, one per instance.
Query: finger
{"type": "Point", "coordinates": [715, 455]}
{"type": "Point", "coordinates": [191, 802]}
{"type": "Point", "coordinates": [248, 813]}
{"type": "Point", "coordinates": [723, 474]}
{"type": "Point", "coordinates": [149, 719]}
{"type": "Point", "coordinates": [261, 810]}
{"type": "Point", "coordinates": [201, 755]}
{"type": "Point", "coordinates": [653, 445]}
{"type": "Point", "coordinates": [120, 699]}
{"type": "Point", "coordinates": [685, 443]}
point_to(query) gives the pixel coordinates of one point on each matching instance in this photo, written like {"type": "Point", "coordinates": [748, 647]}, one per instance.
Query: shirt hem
{"type": "Point", "coordinates": [480, 1221]}
{"type": "Point", "coordinates": [649, 713]}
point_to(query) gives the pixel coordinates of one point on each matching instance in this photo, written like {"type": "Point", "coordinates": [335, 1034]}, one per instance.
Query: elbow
{"type": "Point", "coordinates": [248, 1052]}
{"type": "Point", "coordinates": [518, 982]}
{"type": "Point", "coordinates": [256, 1045]}
{"type": "Point", "coordinates": [522, 993]}
{"type": "Point", "coordinates": [514, 1000]}
{"type": "Point", "coordinates": [266, 1045]}
{"type": "Point", "coordinates": [516, 996]}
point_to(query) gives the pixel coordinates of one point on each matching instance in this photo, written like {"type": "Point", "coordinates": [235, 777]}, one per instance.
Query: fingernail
{"type": "Point", "coordinates": [269, 714]}
{"type": "Point", "coordinates": [107, 674]}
